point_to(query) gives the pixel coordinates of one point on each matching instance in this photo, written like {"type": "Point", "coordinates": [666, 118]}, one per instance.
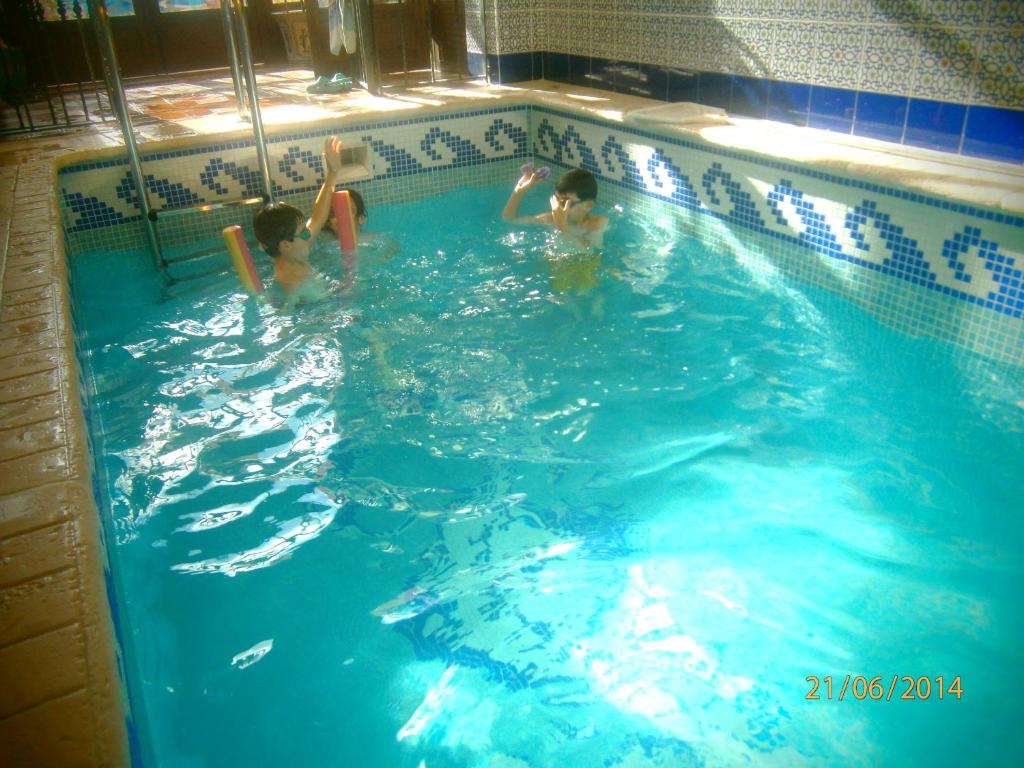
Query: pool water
{"type": "Point", "coordinates": [494, 507]}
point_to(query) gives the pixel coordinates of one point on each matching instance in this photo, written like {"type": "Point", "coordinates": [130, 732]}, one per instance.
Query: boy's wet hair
{"type": "Point", "coordinates": [580, 181]}
{"type": "Point", "coordinates": [275, 223]}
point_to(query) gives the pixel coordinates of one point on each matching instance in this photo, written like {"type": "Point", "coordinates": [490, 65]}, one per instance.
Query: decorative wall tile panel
{"type": "Point", "coordinates": [491, 21]}
{"type": "Point", "coordinates": [890, 53]}
{"type": "Point", "coordinates": [840, 55]}
{"type": "Point", "coordinates": [947, 66]}
{"type": "Point", "coordinates": [804, 10]}
{"type": "Point", "coordinates": [1006, 14]}
{"type": "Point", "coordinates": [736, 34]}
{"type": "Point", "coordinates": [574, 36]}
{"type": "Point", "coordinates": [474, 33]}
{"type": "Point", "coordinates": [1000, 76]}
{"type": "Point", "coordinates": [539, 35]}
{"type": "Point", "coordinates": [728, 8]}
{"type": "Point", "coordinates": [795, 52]}
{"type": "Point", "coordinates": [661, 48]}
{"type": "Point", "coordinates": [604, 35]}
{"type": "Point", "coordinates": [629, 28]}
{"type": "Point", "coordinates": [866, 11]}
{"type": "Point", "coordinates": [514, 32]}
{"type": "Point", "coordinates": [900, 11]}
{"type": "Point", "coordinates": [696, 41]}
{"type": "Point", "coordinates": [754, 48]}
{"type": "Point", "coordinates": [952, 13]}
{"type": "Point", "coordinates": [678, 7]}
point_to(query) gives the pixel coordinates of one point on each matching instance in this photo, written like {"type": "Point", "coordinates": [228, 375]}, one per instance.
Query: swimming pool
{"type": "Point", "coordinates": [494, 507]}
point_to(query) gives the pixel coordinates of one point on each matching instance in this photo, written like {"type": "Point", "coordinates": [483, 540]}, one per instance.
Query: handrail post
{"type": "Point", "coordinates": [236, 68]}
{"type": "Point", "coordinates": [486, 42]}
{"type": "Point", "coordinates": [242, 32]}
{"type": "Point", "coordinates": [101, 26]}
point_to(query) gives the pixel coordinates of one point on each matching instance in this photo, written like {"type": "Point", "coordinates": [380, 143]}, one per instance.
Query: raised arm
{"type": "Point", "coordinates": [332, 167]}
{"type": "Point", "coordinates": [529, 180]}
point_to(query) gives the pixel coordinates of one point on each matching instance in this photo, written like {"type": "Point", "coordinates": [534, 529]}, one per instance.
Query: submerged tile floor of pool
{"type": "Point", "coordinates": [61, 704]}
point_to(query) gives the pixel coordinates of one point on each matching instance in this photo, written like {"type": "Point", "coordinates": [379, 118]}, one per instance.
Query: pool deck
{"type": "Point", "coordinates": [61, 703]}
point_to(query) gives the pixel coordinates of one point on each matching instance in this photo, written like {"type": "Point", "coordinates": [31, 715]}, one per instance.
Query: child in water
{"type": "Point", "coordinates": [366, 241]}
{"type": "Point", "coordinates": [286, 234]}
{"type": "Point", "coordinates": [575, 262]}
{"type": "Point", "coordinates": [571, 206]}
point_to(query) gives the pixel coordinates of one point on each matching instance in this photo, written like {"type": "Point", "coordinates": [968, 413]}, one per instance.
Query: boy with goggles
{"type": "Point", "coordinates": [287, 235]}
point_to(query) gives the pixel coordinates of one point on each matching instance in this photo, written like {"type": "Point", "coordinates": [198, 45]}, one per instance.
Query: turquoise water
{"type": "Point", "coordinates": [484, 509]}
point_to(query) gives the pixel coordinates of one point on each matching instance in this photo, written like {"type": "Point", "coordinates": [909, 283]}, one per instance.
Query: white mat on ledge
{"type": "Point", "coordinates": [679, 113]}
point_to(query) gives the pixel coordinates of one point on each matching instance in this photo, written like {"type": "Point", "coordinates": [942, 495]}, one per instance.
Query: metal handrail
{"type": "Point", "coordinates": [233, 61]}
{"type": "Point", "coordinates": [244, 49]}
{"type": "Point", "coordinates": [108, 56]}
{"type": "Point", "coordinates": [486, 43]}
{"type": "Point", "coordinates": [236, 31]}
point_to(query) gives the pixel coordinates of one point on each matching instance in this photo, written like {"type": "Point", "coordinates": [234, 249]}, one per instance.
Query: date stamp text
{"type": "Point", "coordinates": [900, 687]}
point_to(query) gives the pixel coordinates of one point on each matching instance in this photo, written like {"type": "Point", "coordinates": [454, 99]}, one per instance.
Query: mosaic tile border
{"type": "Point", "coordinates": [102, 193]}
{"type": "Point", "coordinates": [899, 305]}
{"type": "Point", "coordinates": [971, 255]}
{"type": "Point", "coordinates": [914, 197]}
{"type": "Point", "coordinates": [976, 260]}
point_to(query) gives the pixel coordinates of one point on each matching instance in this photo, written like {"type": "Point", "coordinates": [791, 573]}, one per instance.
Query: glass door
{"type": "Point", "coordinates": [152, 37]}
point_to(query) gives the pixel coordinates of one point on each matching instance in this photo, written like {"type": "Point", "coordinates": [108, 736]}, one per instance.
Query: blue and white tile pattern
{"type": "Point", "coordinates": [971, 256]}
{"type": "Point", "coordinates": [963, 252]}
{"type": "Point", "coordinates": [103, 194]}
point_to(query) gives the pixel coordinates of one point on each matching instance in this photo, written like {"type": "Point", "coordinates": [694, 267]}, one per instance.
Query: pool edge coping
{"type": "Point", "coordinates": [70, 701]}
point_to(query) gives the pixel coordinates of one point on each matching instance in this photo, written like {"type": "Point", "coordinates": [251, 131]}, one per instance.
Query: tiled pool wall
{"type": "Point", "coordinates": [407, 159]}
{"type": "Point", "coordinates": [941, 74]}
{"type": "Point", "coordinates": [924, 265]}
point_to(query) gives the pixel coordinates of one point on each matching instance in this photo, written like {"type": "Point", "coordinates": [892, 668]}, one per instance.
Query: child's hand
{"type": "Point", "coordinates": [332, 155]}
{"type": "Point", "coordinates": [560, 213]}
{"type": "Point", "coordinates": [529, 179]}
